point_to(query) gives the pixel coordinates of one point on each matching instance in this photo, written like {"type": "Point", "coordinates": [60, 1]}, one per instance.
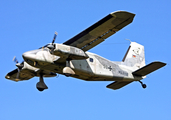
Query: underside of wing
{"type": "Point", "coordinates": [22, 75]}
{"type": "Point", "coordinates": [101, 30]}
{"type": "Point", "coordinates": [117, 85]}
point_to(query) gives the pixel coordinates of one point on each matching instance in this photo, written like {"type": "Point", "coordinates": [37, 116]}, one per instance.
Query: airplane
{"type": "Point", "coordinates": [72, 58]}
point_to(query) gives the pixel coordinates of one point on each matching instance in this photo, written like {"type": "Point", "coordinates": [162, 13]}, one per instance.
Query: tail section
{"type": "Point", "coordinates": [134, 56]}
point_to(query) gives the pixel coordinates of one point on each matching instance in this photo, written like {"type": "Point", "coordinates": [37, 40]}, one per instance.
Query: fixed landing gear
{"type": "Point", "coordinates": [41, 85]}
{"type": "Point", "coordinates": [67, 70]}
{"type": "Point", "coordinates": [143, 85]}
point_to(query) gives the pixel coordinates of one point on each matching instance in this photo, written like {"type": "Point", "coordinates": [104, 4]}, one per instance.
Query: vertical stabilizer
{"type": "Point", "coordinates": [134, 56]}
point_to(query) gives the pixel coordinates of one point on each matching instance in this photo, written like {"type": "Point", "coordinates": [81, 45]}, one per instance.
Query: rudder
{"type": "Point", "coordinates": [135, 56]}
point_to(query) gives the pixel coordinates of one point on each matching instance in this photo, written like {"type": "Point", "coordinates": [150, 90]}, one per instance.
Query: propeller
{"type": "Point", "coordinates": [54, 38]}
{"type": "Point", "coordinates": [15, 59]}
{"type": "Point", "coordinates": [52, 46]}
{"type": "Point", "coordinates": [19, 67]}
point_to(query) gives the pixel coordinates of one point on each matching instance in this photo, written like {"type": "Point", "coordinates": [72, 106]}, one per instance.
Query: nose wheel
{"type": "Point", "coordinates": [41, 85]}
{"type": "Point", "coordinates": [143, 85]}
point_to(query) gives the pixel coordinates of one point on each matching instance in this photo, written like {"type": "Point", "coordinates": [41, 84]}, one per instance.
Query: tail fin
{"type": "Point", "coordinates": [134, 56]}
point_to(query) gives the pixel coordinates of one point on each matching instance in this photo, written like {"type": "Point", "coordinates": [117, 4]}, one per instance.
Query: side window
{"type": "Point", "coordinates": [91, 59]}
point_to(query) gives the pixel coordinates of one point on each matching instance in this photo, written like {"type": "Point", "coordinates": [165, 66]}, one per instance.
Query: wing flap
{"type": "Point", "coordinates": [101, 30]}
{"type": "Point", "coordinates": [92, 44]}
{"type": "Point", "coordinates": [117, 85]}
{"type": "Point", "coordinates": [149, 68]}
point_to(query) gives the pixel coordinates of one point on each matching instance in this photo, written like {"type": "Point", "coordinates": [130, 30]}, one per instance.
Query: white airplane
{"type": "Point", "coordinates": [72, 59]}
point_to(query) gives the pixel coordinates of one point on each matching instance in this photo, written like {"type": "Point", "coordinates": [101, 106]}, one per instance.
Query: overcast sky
{"type": "Point", "coordinates": [28, 25]}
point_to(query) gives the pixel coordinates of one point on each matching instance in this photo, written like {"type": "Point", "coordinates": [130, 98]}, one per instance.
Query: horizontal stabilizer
{"type": "Point", "coordinates": [148, 68]}
{"type": "Point", "coordinates": [118, 85]}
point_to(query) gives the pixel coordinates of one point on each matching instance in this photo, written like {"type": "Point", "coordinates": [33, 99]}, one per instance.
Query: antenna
{"type": "Point", "coordinates": [128, 40]}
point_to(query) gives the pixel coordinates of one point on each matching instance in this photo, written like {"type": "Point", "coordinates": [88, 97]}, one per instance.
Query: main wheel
{"type": "Point", "coordinates": [67, 74]}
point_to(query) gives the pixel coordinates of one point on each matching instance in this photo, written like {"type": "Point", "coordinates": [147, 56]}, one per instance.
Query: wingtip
{"type": "Point", "coordinates": [122, 11]}
{"type": "Point", "coordinates": [160, 62]}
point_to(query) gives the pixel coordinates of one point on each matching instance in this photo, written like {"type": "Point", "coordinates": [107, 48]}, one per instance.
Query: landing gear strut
{"type": "Point", "coordinates": [41, 85]}
{"type": "Point", "coordinates": [143, 85]}
{"type": "Point", "coordinates": [67, 70]}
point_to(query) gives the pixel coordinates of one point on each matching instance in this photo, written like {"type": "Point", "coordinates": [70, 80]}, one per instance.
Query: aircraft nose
{"type": "Point", "coordinates": [31, 55]}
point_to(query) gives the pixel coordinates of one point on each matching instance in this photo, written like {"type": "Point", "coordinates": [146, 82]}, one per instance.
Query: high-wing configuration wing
{"type": "Point", "coordinates": [15, 75]}
{"type": "Point", "coordinates": [101, 30]}
{"type": "Point", "coordinates": [26, 74]}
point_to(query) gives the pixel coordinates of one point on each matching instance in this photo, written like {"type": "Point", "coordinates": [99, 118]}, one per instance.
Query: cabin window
{"type": "Point", "coordinates": [91, 59]}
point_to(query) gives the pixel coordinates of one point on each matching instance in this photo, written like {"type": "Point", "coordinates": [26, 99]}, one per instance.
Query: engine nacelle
{"type": "Point", "coordinates": [69, 52]}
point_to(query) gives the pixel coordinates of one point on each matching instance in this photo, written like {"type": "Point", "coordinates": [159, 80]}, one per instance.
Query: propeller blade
{"type": "Point", "coordinates": [54, 38]}
{"type": "Point", "coordinates": [17, 77]}
{"type": "Point", "coordinates": [19, 66]}
{"type": "Point", "coordinates": [15, 59]}
{"type": "Point", "coordinates": [52, 46]}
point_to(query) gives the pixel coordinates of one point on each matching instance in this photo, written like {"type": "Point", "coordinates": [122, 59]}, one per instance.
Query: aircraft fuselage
{"type": "Point", "coordinates": [94, 68]}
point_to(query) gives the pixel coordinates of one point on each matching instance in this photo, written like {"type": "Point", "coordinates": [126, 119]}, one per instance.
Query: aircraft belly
{"type": "Point", "coordinates": [54, 68]}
